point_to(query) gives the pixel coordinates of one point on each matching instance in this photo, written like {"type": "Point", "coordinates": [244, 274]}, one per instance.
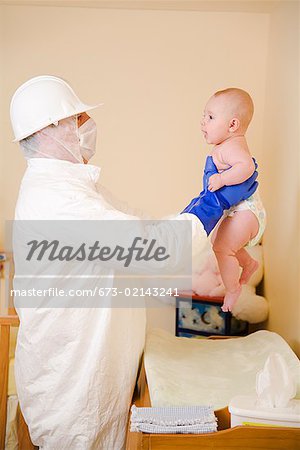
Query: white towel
{"type": "Point", "coordinates": [175, 419]}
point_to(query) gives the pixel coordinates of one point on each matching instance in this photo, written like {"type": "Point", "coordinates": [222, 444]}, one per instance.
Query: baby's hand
{"type": "Point", "coordinates": [215, 182]}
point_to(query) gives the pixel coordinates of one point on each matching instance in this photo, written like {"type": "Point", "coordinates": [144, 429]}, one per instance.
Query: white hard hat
{"type": "Point", "coordinates": [42, 101]}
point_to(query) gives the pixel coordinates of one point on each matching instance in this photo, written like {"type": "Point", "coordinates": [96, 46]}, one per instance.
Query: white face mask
{"type": "Point", "coordinates": [87, 134]}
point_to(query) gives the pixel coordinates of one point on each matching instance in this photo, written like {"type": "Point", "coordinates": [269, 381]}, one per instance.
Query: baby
{"type": "Point", "coordinates": [225, 121]}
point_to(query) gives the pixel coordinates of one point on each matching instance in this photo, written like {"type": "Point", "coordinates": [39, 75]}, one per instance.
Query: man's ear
{"type": "Point", "coordinates": [234, 125]}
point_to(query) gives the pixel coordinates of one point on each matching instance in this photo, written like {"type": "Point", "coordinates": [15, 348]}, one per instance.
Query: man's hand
{"type": "Point", "coordinates": [215, 182]}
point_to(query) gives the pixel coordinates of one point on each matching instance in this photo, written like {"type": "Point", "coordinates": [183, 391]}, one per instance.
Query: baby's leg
{"type": "Point", "coordinates": [232, 235]}
{"type": "Point", "coordinates": [248, 264]}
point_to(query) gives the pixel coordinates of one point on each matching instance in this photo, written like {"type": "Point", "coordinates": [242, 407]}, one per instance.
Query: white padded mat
{"type": "Point", "coordinates": [184, 371]}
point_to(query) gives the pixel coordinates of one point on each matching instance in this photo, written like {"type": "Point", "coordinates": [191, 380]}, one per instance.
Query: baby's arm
{"type": "Point", "coordinates": [242, 167]}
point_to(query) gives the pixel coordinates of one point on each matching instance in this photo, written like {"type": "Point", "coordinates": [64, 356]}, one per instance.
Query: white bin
{"type": "Point", "coordinates": [245, 410]}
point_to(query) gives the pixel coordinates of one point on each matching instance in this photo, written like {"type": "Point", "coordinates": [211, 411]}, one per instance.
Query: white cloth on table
{"type": "Point", "coordinates": [184, 371]}
{"type": "Point", "coordinates": [176, 419]}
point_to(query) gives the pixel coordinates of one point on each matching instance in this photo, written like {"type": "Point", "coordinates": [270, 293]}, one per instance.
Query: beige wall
{"type": "Point", "coordinates": [3, 127]}
{"type": "Point", "coordinates": [154, 70]}
{"type": "Point", "coordinates": [280, 177]}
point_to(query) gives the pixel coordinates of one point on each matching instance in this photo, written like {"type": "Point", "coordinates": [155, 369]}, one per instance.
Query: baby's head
{"type": "Point", "coordinates": [227, 113]}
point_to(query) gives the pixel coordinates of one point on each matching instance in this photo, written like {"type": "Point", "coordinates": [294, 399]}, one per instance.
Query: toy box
{"type": "Point", "coordinates": [198, 316]}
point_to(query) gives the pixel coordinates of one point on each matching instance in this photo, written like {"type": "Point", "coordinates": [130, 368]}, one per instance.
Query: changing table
{"type": "Point", "coordinates": [226, 438]}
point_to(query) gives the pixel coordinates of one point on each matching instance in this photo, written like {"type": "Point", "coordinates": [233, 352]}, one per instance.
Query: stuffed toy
{"type": "Point", "coordinates": [207, 282]}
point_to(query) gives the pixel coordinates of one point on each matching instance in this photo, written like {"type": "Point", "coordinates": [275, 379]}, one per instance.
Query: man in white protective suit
{"type": "Point", "coordinates": [76, 367]}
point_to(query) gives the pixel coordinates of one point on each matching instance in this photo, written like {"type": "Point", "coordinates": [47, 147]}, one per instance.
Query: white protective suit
{"type": "Point", "coordinates": [76, 368]}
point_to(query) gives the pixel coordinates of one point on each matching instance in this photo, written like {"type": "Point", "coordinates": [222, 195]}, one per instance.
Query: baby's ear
{"type": "Point", "coordinates": [234, 125]}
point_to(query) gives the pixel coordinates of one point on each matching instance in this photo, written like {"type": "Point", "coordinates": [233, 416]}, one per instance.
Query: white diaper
{"type": "Point", "coordinates": [254, 204]}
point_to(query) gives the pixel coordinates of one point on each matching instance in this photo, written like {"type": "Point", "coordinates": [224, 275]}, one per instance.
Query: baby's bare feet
{"type": "Point", "coordinates": [230, 299]}
{"type": "Point", "coordinates": [248, 270]}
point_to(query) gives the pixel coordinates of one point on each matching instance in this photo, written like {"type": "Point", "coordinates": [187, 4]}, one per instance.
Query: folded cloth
{"type": "Point", "coordinates": [188, 429]}
{"type": "Point", "coordinates": [174, 419]}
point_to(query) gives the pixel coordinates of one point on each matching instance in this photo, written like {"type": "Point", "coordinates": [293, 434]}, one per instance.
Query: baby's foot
{"type": "Point", "coordinates": [230, 299]}
{"type": "Point", "coordinates": [248, 270]}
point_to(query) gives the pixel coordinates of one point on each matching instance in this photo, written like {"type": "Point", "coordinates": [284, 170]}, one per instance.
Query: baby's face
{"type": "Point", "coordinates": [216, 119]}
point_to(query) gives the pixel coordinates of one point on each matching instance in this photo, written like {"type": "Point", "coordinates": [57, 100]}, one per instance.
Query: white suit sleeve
{"type": "Point", "coordinates": [166, 231]}
{"type": "Point", "coordinates": [112, 202]}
